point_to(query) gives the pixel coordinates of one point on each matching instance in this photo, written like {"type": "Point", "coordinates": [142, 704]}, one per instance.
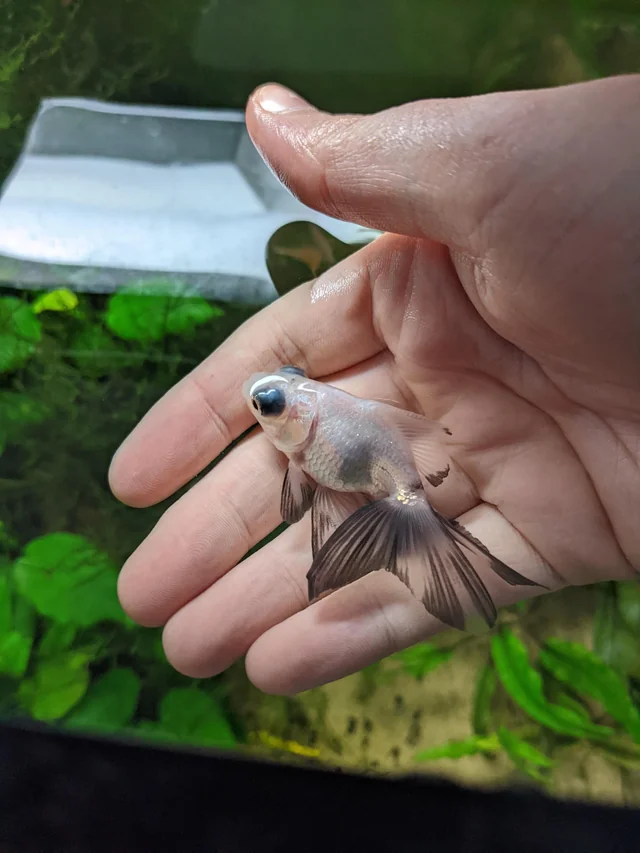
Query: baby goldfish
{"type": "Point", "coordinates": [361, 466]}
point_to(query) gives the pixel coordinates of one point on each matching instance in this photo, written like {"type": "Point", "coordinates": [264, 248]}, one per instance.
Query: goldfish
{"type": "Point", "coordinates": [361, 467]}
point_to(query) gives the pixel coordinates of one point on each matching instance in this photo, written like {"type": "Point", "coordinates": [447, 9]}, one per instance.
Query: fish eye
{"type": "Point", "coordinates": [291, 368]}
{"type": "Point", "coordinates": [271, 402]}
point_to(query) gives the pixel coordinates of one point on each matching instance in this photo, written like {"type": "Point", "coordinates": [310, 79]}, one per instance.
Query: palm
{"type": "Point", "coordinates": [526, 447]}
{"type": "Point", "coordinates": [545, 419]}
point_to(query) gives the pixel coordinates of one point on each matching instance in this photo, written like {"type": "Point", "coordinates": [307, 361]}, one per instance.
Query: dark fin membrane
{"type": "Point", "coordinates": [328, 511]}
{"type": "Point", "coordinates": [467, 540]}
{"type": "Point", "coordinates": [297, 494]}
{"type": "Point", "coordinates": [421, 548]}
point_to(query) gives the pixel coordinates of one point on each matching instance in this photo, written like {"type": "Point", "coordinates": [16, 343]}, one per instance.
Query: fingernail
{"type": "Point", "coordinates": [277, 99]}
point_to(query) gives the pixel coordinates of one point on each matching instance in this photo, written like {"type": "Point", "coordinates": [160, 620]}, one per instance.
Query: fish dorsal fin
{"type": "Point", "coordinates": [425, 437]}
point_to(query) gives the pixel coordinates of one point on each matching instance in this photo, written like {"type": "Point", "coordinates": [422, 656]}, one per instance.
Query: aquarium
{"type": "Point", "coordinates": [551, 697]}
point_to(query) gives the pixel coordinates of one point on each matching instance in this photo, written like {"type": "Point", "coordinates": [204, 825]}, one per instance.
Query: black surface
{"type": "Point", "coordinates": [62, 792]}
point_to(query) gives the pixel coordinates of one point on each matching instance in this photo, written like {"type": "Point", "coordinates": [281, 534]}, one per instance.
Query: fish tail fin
{"type": "Point", "coordinates": [437, 559]}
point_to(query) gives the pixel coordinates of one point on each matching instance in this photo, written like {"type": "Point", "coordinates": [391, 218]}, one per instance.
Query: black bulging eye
{"type": "Point", "coordinates": [270, 402]}
{"type": "Point", "coordinates": [291, 368]}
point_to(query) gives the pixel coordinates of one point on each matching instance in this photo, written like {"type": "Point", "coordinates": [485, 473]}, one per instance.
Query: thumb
{"type": "Point", "coordinates": [431, 168]}
{"type": "Point", "coordinates": [457, 170]}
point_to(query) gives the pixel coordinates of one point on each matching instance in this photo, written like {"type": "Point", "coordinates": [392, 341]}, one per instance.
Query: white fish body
{"type": "Point", "coordinates": [360, 466]}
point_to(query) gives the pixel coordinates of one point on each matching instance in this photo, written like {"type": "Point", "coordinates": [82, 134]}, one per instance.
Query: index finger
{"type": "Point", "coordinates": [323, 326]}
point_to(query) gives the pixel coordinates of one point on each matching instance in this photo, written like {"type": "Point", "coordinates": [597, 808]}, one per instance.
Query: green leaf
{"type": "Point", "coordinates": [57, 638]}
{"type": "Point", "coordinates": [524, 684]}
{"type": "Point", "coordinates": [578, 667]}
{"type": "Point", "coordinates": [135, 314]}
{"type": "Point", "coordinates": [24, 617]}
{"type": "Point", "coordinates": [614, 641]}
{"type": "Point", "coordinates": [55, 300]}
{"type": "Point", "coordinates": [422, 658]}
{"type": "Point", "coordinates": [629, 603]}
{"type": "Point", "coordinates": [187, 312]}
{"type": "Point", "coordinates": [567, 701]}
{"type": "Point", "coordinates": [622, 753]}
{"type": "Point", "coordinates": [15, 650]}
{"type": "Point", "coordinates": [110, 702]}
{"type": "Point", "coordinates": [460, 748]}
{"type": "Point", "coordinates": [525, 756]}
{"type": "Point", "coordinates": [6, 620]}
{"type": "Point", "coordinates": [485, 689]}
{"type": "Point", "coordinates": [20, 331]}
{"type": "Point", "coordinates": [69, 579]}
{"type": "Point", "coordinates": [616, 626]}
{"type": "Point", "coordinates": [193, 716]}
{"type": "Point", "coordinates": [57, 685]}
{"type": "Point", "coordinates": [16, 632]}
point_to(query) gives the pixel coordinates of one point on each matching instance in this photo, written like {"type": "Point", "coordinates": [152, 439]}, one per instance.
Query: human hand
{"type": "Point", "coordinates": [509, 309]}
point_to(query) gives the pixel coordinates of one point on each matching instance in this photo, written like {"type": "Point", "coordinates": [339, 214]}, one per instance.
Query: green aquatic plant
{"type": "Point", "coordinates": [20, 332]}
{"type": "Point", "coordinates": [68, 653]}
{"type": "Point", "coordinates": [564, 696]}
{"type": "Point", "coordinates": [71, 657]}
{"type": "Point", "coordinates": [151, 310]}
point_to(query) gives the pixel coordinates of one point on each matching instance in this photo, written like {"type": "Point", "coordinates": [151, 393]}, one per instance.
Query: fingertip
{"type": "Point", "coordinates": [273, 98]}
{"type": "Point", "coordinates": [266, 675]}
{"type": "Point", "coordinates": [183, 650]}
{"type": "Point", "coordinates": [135, 601]}
{"type": "Point", "coordinates": [125, 481]}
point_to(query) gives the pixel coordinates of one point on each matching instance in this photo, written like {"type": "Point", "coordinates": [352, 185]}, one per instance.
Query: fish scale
{"type": "Point", "coordinates": [343, 450]}
{"type": "Point", "coordinates": [350, 453]}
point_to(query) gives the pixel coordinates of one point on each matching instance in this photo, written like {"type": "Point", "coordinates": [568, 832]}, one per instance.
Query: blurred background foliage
{"type": "Point", "coordinates": [551, 697]}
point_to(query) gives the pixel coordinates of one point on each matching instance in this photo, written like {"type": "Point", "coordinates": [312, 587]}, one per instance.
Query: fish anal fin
{"type": "Point", "coordinates": [363, 543]}
{"type": "Point", "coordinates": [297, 494]}
{"type": "Point", "coordinates": [329, 510]}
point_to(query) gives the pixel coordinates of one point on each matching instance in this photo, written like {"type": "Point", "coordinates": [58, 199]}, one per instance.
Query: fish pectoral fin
{"type": "Point", "coordinates": [426, 439]}
{"type": "Point", "coordinates": [297, 494]}
{"type": "Point", "coordinates": [329, 510]}
{"type": "Point", "coordinates": [433, 557]}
